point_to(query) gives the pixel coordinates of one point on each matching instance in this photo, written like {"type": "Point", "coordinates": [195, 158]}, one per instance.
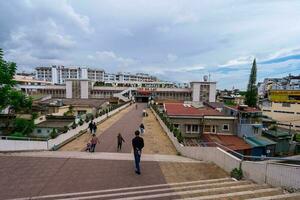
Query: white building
{"type": "Point", "coordinates": [203, 91]}
{"type": "Point", "coordinates": [58, 74]}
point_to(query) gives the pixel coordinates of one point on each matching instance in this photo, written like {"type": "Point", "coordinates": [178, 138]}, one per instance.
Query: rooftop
{"type": "Point", "coordinates": [180, 109]}
{"type": "Point", "coordinates": [259, 141]}
{"type": "Point", "coordinates": [277, 134]}
{"type": "Point", "coordinates": [52, 123]}
{"type": "Point", "coordinates": [231, 141]}
{"type": "Point", "coordinates": [96, 103]}
{"type": "Point", "coordinates": [244, 109]}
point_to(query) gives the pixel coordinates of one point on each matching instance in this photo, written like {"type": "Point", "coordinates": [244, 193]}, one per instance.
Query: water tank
{"type": "Point", "coordinates": [205, 78]}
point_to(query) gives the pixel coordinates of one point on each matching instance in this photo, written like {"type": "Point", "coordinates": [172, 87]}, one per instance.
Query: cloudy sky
{"type": "Point", "coordinates": [174, 40]}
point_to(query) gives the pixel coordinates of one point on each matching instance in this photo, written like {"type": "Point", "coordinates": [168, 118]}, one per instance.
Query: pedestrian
{"type": "Point", "coordinates": [88, 147]}
{"type": "Point", "coordinates": [94, 127]}
{"type": "Point", "coordinates": [136, 106]}
{"type": "Point", "coordinates": [94, 142]}
{"type": "Point", "coordinates": [120, 141]}
{"type": "Point", "coordinates": [142, 128]}
{"type": "Point", "coordinates": [137, 145]}
{"type": "Point", "coordinates": [91, 126]}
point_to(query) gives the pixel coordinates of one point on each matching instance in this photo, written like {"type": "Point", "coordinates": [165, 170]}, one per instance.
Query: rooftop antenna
{"type": "Point", "coordinates": [208, 77]}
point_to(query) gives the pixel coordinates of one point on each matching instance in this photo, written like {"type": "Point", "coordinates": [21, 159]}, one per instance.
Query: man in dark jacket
{"type": "Point", "coordinates": [137, 144]}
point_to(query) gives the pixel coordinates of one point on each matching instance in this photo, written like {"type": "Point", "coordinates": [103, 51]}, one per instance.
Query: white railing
{"type": "Point", "coordinates": [270, 172]}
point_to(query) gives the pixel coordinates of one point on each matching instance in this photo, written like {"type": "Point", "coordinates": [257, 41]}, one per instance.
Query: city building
{"type": "Point", "coordinates": [59, 74]}
{"type": "Point", "coordinates": [193, 120]}
{"type": "Point", "coordinates": [289, 82]}
{"type": "Point", "coordinates": [59, 124]}
{"type": "Point", "coordinates": [283, 106]}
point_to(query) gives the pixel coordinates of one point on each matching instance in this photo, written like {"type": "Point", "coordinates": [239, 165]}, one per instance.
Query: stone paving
{"type": "Point", "coordinates": [126, 125]}
{"type": "Point", "coordinates": [79, 143]}
{"type": "Point", "coordinates": [32, 176]}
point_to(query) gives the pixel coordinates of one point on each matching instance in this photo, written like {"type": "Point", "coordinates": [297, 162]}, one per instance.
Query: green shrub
{"type": "Point", "coordinates": [17, 134]}
{"type": "Point", "coordinates": [74, 125]}
{"type": "Point", "coordinates": [179, 137]}
{"type": "Point", "coordinates": [80, 122]}
{"type": "Point", "coordinates": [53, 134]}
{"type": "Point", "coordinates": [65, 129]}
{"type": "Point", "coordinates": [237, 173]}
{"type": "Point", "coordinates": [23, 126]}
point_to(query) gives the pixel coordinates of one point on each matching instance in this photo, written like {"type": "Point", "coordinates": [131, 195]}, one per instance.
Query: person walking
{"type": "Point", "coordinates": [94, 127]}
{"type": "Point", "coordinates": [137, 145]}
{"type": "Point", "coordinates": [94, 142]}
{"type": "Point", "coordinates": [136, 106]}
{"type": "Point", "coordinates": [142, 128]}
{"type": "Point", "coordinates": [120, 141]}
{"type": "Point", "coordinates": [91, 127]}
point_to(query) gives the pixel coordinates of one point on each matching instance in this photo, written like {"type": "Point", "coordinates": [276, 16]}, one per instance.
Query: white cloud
{"type": "Point", "coordinates": [171, 57]}
{"type": "Point", "coordinates": [163, 29]}
{"type": "Point", "coordinates": [186, 18]}
{"type": "Point", "coordinates": [239, 61]}
{"type": "Point", "coordinates": [109, 57]}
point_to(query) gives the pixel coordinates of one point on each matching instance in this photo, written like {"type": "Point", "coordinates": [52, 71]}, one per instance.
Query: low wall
{"type": "Point", "coordinates": [27, 145]}
{"type": "Point", "coordinates": [277, 175]}
{"type": "Point", "coordinates": [22, 145]}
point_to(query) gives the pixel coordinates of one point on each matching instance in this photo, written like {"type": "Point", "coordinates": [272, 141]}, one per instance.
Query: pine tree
{"type": "Point", "coordinates": [251, 94]}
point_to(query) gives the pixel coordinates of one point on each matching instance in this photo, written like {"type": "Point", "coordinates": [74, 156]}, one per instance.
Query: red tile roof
{"type": "Point", "coordinates": [231, 141]}
{"type": "Point", "coordinates": [178, 109]}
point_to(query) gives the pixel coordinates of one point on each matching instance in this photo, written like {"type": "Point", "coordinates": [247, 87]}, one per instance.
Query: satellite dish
{"type": "Point", "coordinates": [205, 78]}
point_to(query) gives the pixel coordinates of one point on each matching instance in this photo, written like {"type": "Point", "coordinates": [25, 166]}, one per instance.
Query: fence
{"type": "Point", "coordinates": [270, 172]}
{"type": "Point", "coordinates": [8, 144]}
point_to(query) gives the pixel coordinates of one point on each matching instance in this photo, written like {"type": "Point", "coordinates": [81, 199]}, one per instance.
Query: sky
{"type": "Point", "coordinates": [174, 40]}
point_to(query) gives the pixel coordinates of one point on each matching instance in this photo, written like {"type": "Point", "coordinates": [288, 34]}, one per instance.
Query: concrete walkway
{"type": "Point", "coordinates": [104, 156]}
{"type": "Point", "coordinates": [126, 125]}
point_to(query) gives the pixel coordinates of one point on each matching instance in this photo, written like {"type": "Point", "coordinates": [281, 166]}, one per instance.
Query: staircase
{"type": "Point", "coordinates": [215, 189]}
{"type": "Point", "coordinates": [121, 96]}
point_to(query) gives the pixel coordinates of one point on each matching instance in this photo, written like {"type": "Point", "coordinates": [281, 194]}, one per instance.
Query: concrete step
{"type": "Point", "coordinates": [213, 189]}
{"type": "Point", "coordinates": [241, 194]}
{"type": "Point", "coordinates": [200, 183]}
{"type": "Point", "coordinates": [287, 196]}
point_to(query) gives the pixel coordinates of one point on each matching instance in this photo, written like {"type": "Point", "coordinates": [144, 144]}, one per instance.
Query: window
{"type": "Point", "coordinates": [39, 131]}
{"type": "Point", "coordinates": [191, 128]}
{"type": "Point", "coordinates": [195, 128]}
{"type": "Point", "coordinates": [225, 127]}
{"type": "Point", "coordinates": [286, 105]}
{"type": "Point", "coordinates": [213, 129]}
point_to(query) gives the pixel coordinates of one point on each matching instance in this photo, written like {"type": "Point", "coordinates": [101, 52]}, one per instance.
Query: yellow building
{"type": "Point", "coordinates": [284, 107]}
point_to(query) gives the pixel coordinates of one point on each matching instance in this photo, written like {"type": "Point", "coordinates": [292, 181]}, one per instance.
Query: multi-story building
{"type": "Point", "coordinates": [284, 107]}
{"type": "Point", "coordinates": [58, 75]}
{"type": "Point", "coordinates": [289, 82]}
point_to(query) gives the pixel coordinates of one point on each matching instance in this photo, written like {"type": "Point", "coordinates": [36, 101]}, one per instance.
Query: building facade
{"type": "Point", "coordinates": [284, 107]}
{"type": "Point", "coordinates": [58, 75]}
{"type": "Point", "coordinates": [193, 122]}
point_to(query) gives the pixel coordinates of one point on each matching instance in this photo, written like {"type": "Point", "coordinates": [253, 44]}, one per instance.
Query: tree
{"type": "Point", "coordinates": [23, 126]}
{"type": "Point", "coordinates": [14, 99]}
{"type": "Point", "coordinates": [251, 94]}
{"type": "Point", "coordinates": [9, 96]}
{"type": "Point", "coordinates": [7, 71]}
